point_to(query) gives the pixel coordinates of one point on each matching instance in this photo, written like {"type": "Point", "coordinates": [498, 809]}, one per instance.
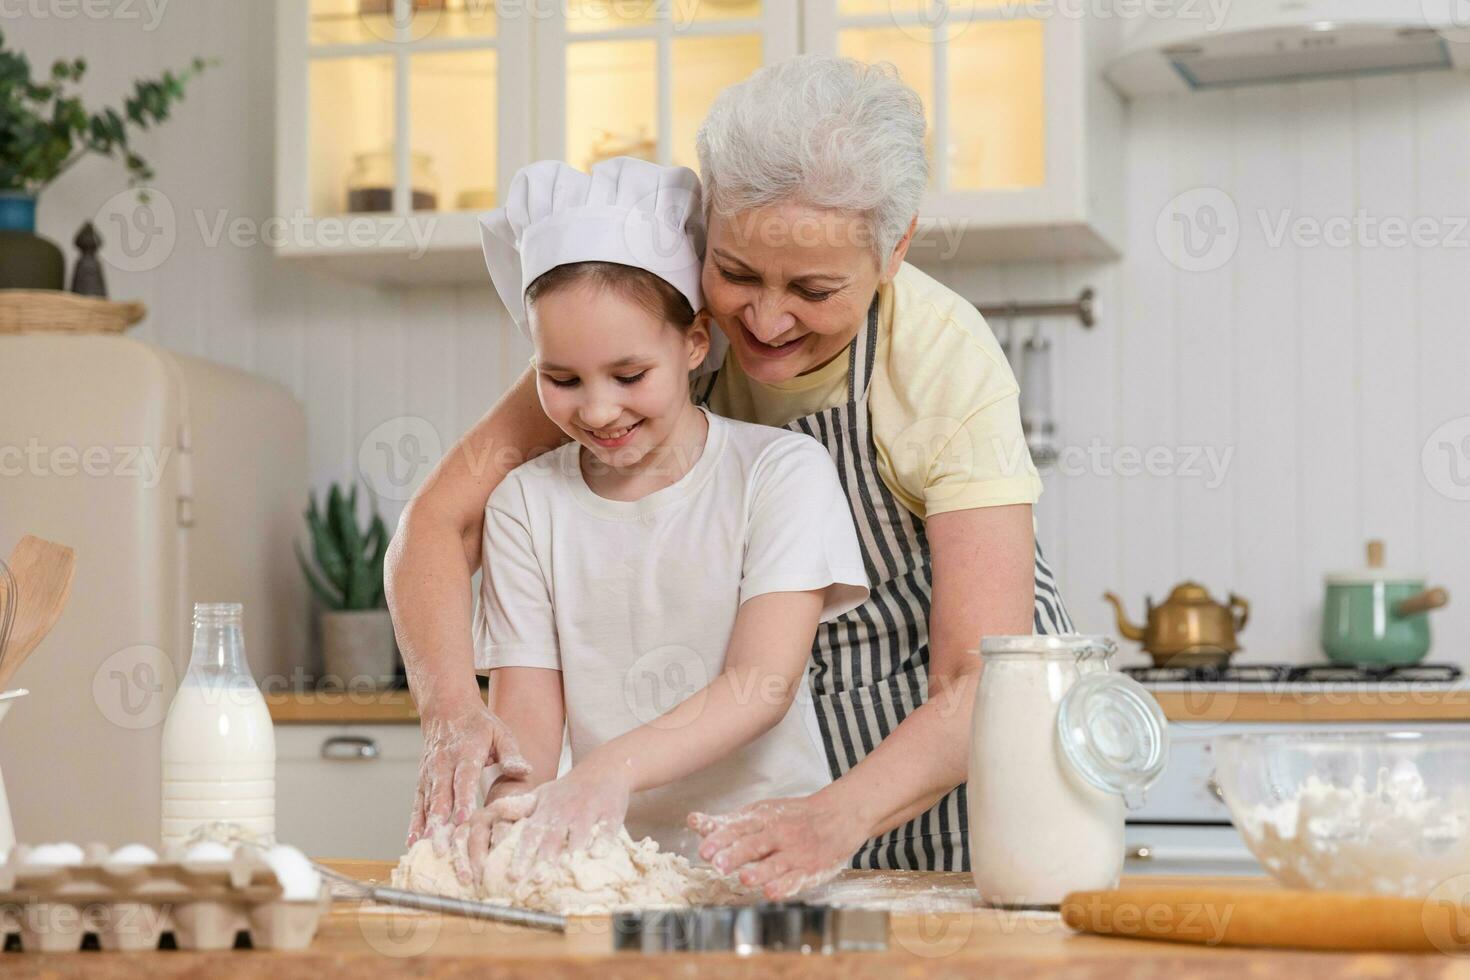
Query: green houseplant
{"type": "Point", "coordinates": [346, 574]}
{"type": "Point", "coordinates": [44, 130]}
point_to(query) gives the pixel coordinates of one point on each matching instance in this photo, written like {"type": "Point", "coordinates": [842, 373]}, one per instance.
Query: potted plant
{"type": "Point", "coordinates": [44, 130]}
{"type": "Point", "coordinates": [347, 576]}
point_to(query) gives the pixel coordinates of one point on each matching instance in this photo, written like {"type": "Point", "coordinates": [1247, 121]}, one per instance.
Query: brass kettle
{"type": "Point", "coordinates": [1189, 630]}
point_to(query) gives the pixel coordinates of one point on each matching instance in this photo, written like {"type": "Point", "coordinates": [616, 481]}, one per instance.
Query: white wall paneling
{"type": "Point", "coordinates": [1442, 394]}
{"type": "Point", "coordinates": [1323, 367]}
{"type": "Point", "coordinates": [1267, 358]}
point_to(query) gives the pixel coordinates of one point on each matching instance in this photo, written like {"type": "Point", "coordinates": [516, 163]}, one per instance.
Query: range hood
{"type": "Point", "coordinates": [1197, 45]}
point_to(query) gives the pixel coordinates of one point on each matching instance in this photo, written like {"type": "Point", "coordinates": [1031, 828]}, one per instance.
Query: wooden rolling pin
{"type": "Point", "coordinates": [1275, 917]}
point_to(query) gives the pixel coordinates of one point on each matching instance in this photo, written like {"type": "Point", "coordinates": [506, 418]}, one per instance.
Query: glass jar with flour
{"type": "Point", "coordinates": [1060, 747]}
{"type": "Point", "coordinates": [219, 748]}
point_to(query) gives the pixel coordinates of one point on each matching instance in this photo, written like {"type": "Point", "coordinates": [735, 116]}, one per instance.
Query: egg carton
{"type": "Point", "coordinates": [203, 904]}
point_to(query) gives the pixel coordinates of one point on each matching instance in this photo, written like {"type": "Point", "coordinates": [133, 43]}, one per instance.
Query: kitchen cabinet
{"type": "Point", "coordinates": [346, 790]}
{"type": "Point", "coordinates": [396, 121]}
{"type": "Point", "coordinates": [399, 120]}
{"type": "Point", "coordinates": [636, 79]}
{"type": "Point", "coordinates": [1024, 137]}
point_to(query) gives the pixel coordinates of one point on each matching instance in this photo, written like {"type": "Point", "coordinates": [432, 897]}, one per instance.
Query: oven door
{"type": "Point", "coordinates": [1183, 849]}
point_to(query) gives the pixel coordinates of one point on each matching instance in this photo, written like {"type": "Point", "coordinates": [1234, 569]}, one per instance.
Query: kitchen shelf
{"type": "Point", "coordinates": [425, 249]}
{"type": "Point", "coordinates": [454, 256]}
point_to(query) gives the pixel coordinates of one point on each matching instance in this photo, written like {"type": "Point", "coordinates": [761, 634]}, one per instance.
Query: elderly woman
{"type": "Point", "coordinates": [813, 172]}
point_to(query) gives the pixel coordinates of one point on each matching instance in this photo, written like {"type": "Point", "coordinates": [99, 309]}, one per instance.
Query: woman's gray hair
{"type": "Point", "coordinates": [819, 131]}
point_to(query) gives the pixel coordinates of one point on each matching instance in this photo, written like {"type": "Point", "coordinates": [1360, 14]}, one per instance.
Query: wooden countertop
{"type": "Point", "coordinates": [1324, 703]}
{"type": "Point", "coordinates": [349, 707]}
{"type": "Point", "coordinates": [370, 940]}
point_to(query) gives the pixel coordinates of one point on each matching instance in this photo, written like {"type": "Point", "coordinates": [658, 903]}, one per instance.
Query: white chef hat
{"type": "Point", "coordinates": [627, 211]}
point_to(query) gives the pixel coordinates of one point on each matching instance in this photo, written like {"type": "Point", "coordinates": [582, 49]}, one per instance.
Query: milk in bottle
{"type": "Point", "coordinates": [219, 751]}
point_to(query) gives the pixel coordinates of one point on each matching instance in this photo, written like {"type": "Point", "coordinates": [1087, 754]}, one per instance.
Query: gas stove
{"type": "Point", "coordinates": [1276, 674]}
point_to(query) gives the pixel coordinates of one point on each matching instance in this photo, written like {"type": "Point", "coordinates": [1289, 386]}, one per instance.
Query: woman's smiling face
{"type": "Point", "coordinates": [789, 285]}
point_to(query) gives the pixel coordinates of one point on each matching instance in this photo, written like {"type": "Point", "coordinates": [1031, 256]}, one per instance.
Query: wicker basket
{"type": "Point", "coordinates": [54, 311]}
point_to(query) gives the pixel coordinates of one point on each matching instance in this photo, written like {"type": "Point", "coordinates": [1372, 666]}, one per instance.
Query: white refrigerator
{"type": "Point", "coordinates": [176, 481]}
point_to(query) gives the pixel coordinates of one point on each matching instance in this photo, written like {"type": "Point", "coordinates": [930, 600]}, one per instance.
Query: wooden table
{"type": "Point", "coordinates": [1328, 703]}
{"type": "Point", "coordinates": [963, 941]}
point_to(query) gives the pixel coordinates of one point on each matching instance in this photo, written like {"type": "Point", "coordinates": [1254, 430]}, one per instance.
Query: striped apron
{"type": "Point", "coordinates": [869, 667]}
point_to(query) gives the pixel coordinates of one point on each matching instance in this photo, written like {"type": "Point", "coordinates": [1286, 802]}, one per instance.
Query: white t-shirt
{"type": "Point", "coordinates": [634, 601]}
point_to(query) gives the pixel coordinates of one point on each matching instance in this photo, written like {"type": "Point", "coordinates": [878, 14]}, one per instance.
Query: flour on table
{"type": "Point", "coordinates": [615, 872]}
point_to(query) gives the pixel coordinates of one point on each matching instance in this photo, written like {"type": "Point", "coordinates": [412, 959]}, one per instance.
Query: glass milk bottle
{"type": "Point", "coordinates": [1060, 746]}
{"type": "Point", "coordinates": [219, 749]}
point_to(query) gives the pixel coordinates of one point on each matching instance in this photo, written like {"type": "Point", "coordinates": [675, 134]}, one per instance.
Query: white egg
{"type": "Point", "coordinates": [132, 855]}
{"type": "Point", "coordinates": [299, 880]}
{"type": "Point", "coordinates": [208, 850]}
{"type": "Point", "coordinates": [65, 853]}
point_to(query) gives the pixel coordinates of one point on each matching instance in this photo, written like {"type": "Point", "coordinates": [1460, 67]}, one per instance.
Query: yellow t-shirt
{"type": "Point", "coordinates": [945, 406]}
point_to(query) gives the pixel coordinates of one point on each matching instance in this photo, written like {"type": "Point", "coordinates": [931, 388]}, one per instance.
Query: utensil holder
{"type": "Point", "coordinates": [7, 827]}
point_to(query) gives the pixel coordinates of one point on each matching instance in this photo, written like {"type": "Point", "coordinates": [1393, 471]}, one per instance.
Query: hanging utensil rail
{"type": "Point", "coordinates": [1081, 308]}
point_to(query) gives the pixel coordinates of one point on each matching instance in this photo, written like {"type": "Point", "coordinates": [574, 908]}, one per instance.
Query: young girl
{"type": "Point", "coordinates": [655, 585]}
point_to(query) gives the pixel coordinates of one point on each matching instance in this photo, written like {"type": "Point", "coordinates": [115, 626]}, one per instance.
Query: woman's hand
{"type": "Point", "coordinates": [458, 745]}
{"type": "Point", "coordinates": [566, 814]}
{"type": "Point", "coordinates": [781, 846]}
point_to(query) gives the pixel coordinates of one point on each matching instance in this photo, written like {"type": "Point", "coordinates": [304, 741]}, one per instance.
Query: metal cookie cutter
{"type": "Point", "coordinates": [767, 927]}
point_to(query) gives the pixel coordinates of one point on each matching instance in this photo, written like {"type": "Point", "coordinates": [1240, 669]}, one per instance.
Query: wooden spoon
{"type": "Point", "coordinates": [43, 572]}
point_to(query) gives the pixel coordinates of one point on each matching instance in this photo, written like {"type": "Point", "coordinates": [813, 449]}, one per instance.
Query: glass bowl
{"type": "Point", "coordinates": [1380, 812]}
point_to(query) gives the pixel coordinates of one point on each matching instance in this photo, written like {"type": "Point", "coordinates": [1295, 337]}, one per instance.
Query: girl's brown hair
{"type": "Point", "coordinates": [636, 285]}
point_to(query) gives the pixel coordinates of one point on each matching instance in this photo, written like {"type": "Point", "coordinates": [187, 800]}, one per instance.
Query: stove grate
{"type": "Point", "coordinates": [1298, 674]}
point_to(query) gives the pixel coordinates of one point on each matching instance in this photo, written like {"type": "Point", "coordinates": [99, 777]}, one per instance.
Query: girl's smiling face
{"type": "Point", "coordinates": [611, 374]}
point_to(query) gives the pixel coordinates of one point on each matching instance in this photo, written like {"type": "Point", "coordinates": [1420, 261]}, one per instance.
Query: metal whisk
{"type": "Point", "coordinates": [352, 889]}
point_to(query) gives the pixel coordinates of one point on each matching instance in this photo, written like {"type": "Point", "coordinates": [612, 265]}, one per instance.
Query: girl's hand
{"type": "Point", "coordinates": [566, 814]}
{"type": "Point", "coordinates": [781, 846]}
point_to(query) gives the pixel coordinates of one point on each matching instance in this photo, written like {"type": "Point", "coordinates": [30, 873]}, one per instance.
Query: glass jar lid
{"type": "Point", "coordinates": [1079, 646]}
{"type": "Point", "coordinates": [1114, 734]}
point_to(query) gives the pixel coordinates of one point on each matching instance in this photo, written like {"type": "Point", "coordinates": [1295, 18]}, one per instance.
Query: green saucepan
{"type": "Point", "coordinates": [1375, 617]}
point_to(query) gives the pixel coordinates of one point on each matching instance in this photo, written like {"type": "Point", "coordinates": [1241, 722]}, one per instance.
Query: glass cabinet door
{"type": "Point", "coordinates": [402, 104]}
{"type": "Point", "coordinates": [978, 65]}
{"type": "Point", "coordinates": [452, 118]}
{"type": "Point", "coordinates": [636, 79]}
{"type": "Point", "coordinates": [352, 125]}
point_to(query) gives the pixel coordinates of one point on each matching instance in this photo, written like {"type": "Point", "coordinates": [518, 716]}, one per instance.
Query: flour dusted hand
{"type": "Point", "coordinates": [457, 747]}
{"type": "Point", "coordinates": [614, 872]}
{"type": "Point", "coordinates": [781, 847]}
{"type": "Point", "coordinates": [566, 814]}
